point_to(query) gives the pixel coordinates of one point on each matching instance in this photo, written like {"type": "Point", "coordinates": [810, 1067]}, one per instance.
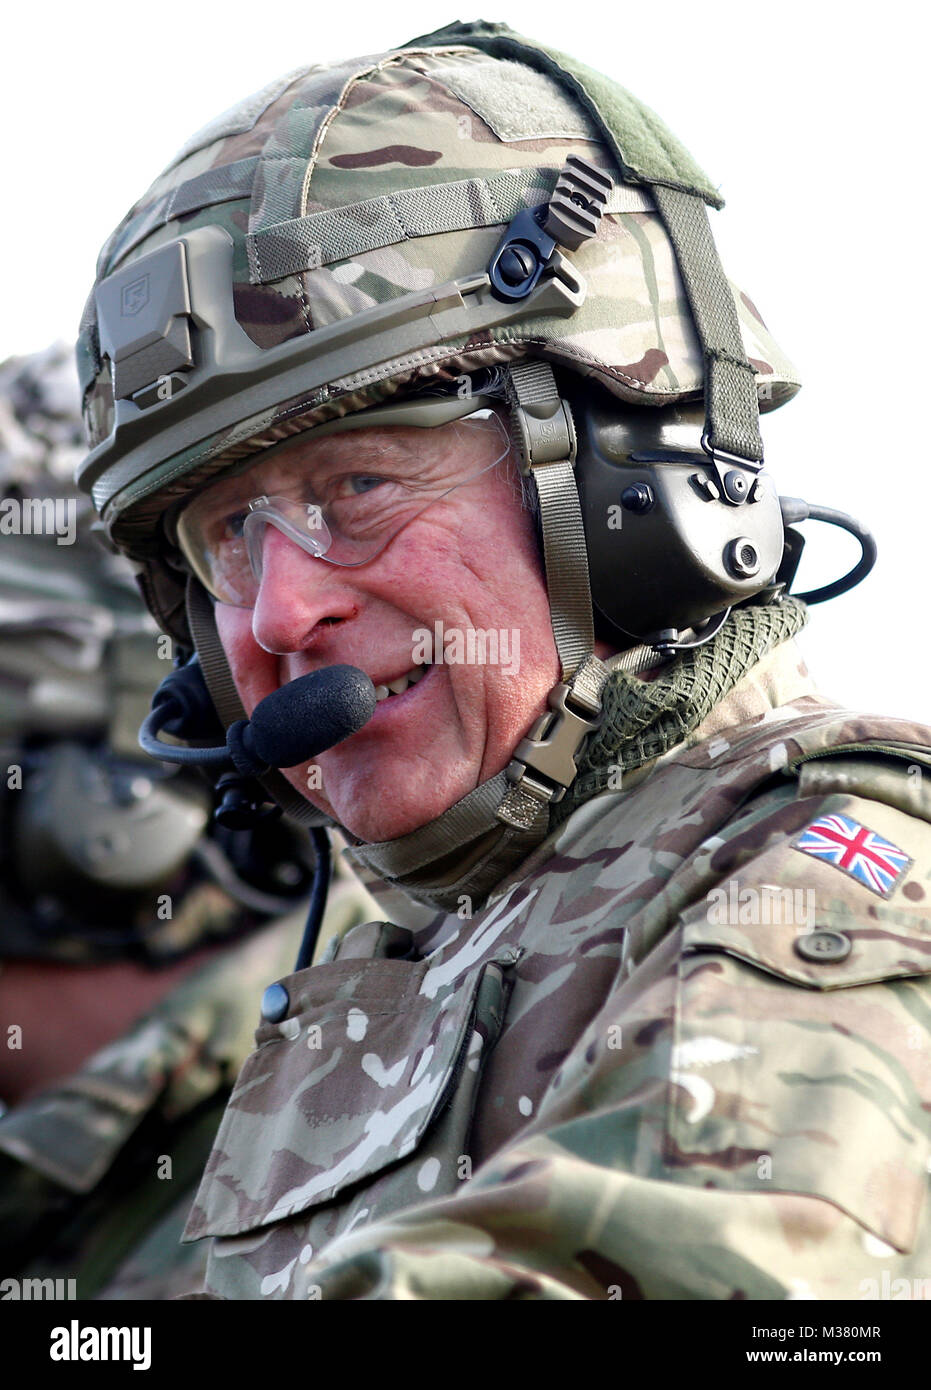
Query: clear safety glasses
{"type": "Point", "coordinates": [347, 503]}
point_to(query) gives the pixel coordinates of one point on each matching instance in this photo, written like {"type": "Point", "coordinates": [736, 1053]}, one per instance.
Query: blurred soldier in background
{"type": "Point", "coordinates": [128, 995]}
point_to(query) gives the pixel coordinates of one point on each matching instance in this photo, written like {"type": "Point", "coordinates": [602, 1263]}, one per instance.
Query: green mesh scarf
{"type": "Point", "coordinates": [644, 719]}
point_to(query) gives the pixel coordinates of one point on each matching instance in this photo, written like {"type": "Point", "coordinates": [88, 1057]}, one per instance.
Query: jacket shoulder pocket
{"type": "Point", "coordinates": [800, 1062]}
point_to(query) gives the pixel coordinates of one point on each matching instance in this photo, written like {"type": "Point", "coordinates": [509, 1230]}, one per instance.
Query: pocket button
{"type": "Point", "coordinates": [275, 1003]}
{"type": "Point", "coordinates": [823, 946]}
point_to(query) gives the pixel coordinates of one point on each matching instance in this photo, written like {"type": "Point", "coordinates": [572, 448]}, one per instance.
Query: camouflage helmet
{"type": "Point", "coordinates": [326, 245]}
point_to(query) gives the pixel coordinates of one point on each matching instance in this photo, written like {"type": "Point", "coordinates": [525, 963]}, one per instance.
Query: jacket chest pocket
{"type": "Point", "coordinates": [801, 1065]}
{"type": "Point", "coordinates": [366, 1066]}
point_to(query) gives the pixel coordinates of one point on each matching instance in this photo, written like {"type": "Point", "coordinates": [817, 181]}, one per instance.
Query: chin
{"type": "Point", "coordinates": [376, 815]}
{"type": "Point", "coordinates": [372, 825]}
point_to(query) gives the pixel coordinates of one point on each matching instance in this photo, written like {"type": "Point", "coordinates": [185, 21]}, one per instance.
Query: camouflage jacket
{"type": "Point", "coordinates": [98, 1172]}
{"type": "Point", "coordinates": [683, 1052]}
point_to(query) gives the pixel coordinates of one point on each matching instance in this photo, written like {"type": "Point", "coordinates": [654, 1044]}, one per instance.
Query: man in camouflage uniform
{"type": "Point", "coordinates": [122, 1028]}
{"type": "Point", "coordinates": [647, 1012]}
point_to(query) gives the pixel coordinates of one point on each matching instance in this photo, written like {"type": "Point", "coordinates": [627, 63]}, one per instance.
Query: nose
{"type": "Point", "coordinates": [297, 594]}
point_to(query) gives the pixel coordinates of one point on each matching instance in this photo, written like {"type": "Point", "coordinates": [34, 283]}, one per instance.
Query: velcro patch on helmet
{"type": "Point", "coordinates": [517, 102]}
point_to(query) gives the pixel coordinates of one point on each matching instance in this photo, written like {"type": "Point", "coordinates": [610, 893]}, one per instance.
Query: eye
{"type": "Point", "coordinates": [232, 526]}
{"type": "Point", "coordinates": [364, 482]}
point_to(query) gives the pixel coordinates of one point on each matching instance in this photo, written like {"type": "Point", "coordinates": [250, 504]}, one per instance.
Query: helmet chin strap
{"type": "Point", "coordinates": [544, 763]}
{"type": "Point", "coordinates": [473, 844]}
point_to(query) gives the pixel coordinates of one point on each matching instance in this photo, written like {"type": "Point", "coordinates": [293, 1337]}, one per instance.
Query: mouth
{"type": "Point", "coordinates": [390, 689]}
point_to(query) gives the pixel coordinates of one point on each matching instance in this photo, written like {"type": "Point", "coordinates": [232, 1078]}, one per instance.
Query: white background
{"type": "Point", "coordinates": [812, 119]}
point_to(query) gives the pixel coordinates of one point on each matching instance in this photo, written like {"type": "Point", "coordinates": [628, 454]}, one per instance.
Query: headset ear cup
{"type": "Point", "coordinates": [666, 550]}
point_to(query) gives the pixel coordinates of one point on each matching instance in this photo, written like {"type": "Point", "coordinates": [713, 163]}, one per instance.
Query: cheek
{"type": "Point", "coordinates": [513, 565]}
{"type": "Point", "coordinates": [254, 670]}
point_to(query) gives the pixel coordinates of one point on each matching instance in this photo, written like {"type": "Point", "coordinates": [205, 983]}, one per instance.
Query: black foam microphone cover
{"type": "Point", "coordinates": [309, 715]}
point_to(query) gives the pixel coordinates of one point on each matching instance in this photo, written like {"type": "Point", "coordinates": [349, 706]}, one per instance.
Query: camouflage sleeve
{"type": "Point", "coordinates": [747, 1115]}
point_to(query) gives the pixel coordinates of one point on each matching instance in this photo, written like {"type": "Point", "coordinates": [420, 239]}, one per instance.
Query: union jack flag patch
{"type": "Point", "coordinates": [856, 850]}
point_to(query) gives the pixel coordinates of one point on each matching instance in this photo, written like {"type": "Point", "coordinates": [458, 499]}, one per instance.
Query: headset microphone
{"type": "Point", "coordinates": [288, 727]}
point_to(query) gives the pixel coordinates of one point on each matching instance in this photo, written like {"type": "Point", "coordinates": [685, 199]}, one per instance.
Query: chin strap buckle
{"type": "Point", "coordinates": [544, 763]}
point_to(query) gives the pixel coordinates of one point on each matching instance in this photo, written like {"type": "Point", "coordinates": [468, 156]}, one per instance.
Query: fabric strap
{"type": "Point", "coordinates": [732, 414]}
{"type": "Point", "coordinates": [549, 460]}
{"type": "Point", "coordinates": [221, 185]}
{"type": "Point", "coordinates": [338, 234]}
